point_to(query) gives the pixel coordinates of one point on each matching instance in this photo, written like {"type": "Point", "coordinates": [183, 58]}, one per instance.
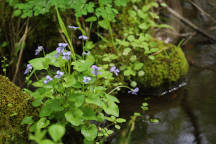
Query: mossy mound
{"type": "Point", "coordinates": [14, 106]}
{"type": "Point", "coordinates": [169, 66]}
{"type": "Point", "coordinates": [141, 58]}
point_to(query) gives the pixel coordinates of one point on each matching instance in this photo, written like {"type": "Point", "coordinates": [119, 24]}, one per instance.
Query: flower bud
{"type": "Point", "coordinates": [133, 84]}
{"type": "Point", "coordinates": [141, 73]}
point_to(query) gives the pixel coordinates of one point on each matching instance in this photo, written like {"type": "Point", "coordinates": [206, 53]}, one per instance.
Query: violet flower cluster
{"type": "Point", "coordinates": [114, 70]}
{"type": "Point", "coordinates": [73, 27]}
{"type": "Point", "coordinates": [28, 68]}
{"type": "Point", "coordinates": [95, 70]}
{"type": "Point", "coordinates": [38, 50]}
{"type": "Point", "coordinates": [66, 55]}
{"type": "Point", "coordinates": [59, 74]}
{"type": "Point", "coordinates": [83, 37]}
{"type": "Point", "coordinates": [48, 79]}
{"type": "Point", "coordinates": [60, 49]}
{"type": "Point", "coordinates": [134, 91]}
{"type": "Point", "coordinates": [86, 79]}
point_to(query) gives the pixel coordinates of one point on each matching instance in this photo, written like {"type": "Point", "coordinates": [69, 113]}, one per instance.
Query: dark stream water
{"type": "Point", "coordinates": [186, 116]}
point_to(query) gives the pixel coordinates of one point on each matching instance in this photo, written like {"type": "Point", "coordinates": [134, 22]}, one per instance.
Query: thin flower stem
{"type": "Point", "coordinates": [69, 66]}
{"type": "Point", "coordinates": [80, 27]}
{"type": "Point", "coordinates": [111, 34]}
{"type": "Point", "coordinates": [44, 52]}
{"type": "Point", "coordinates": [36, 76]}
{"type": "Point", "coordinates": [118, 87]}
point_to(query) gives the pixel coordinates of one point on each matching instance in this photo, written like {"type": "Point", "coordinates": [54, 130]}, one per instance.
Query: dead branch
{"type": "Point", "coordinates": [22, 42]}
{"type": "Point", "coordinates": [186, 21]}
{"type": "Point", "coordinates": [202, 11]}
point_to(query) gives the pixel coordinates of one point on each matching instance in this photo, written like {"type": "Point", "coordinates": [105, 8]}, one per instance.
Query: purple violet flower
{"type": "Point", "coordinates": [115, 70]}
{"type": "Point", "coordinates": [38, 50]}
{"type": "Point", "coordinates": [86, 79]}
{"type": "Point", "coordinates": [28, 68]}
{"type": "Point", "coordinates": [59, 74]}
{"type": "Point", "coordinates": [134, 91]}
{"type": "Point", "coordinates": [48, 78]}
{"type": "Point", "coordinates": [73, 27]}
{"type": "Point", "coordinates": [60, 49]}
{"type": "Point", "coordinates": [62, 44]}
{"type": "Point", "coordinates": [86, 53]}
{"type": "Point", "coordinates": [83, 37]}
{"type": "Point", "coordinates": [66, 55]}
{"type": "Point", "coordinates": [95, 70]}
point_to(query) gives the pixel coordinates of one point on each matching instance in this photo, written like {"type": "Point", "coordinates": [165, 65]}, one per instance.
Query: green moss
{"type": "Point", "coordinates": [14, 106]}
{"type": "Point", "coordinates": [168, 66]}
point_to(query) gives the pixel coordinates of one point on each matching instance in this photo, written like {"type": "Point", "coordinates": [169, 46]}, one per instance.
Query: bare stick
{"type": "Point", "coordinates": [22, 41]}
{"type": "Point", "coordinates": [202, 11]}
{"type": "Point", "coordinates": [201, 31]}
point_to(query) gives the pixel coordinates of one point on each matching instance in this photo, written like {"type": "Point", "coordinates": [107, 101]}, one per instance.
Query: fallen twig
{"type": "Point", "coordinates": [202, 11]}
{"type": "Point", "coordinates": [201, 31]}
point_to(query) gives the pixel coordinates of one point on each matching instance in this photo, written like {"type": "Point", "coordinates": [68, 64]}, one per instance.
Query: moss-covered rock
{"type": "Point", "coordinates": [14, 106]}
{"type": "Point", "coordinates": [168, 66]}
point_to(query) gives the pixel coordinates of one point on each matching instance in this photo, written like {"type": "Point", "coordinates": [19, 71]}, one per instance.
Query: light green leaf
{"type": "Point", "coordinates": [46, 141]}
{"type": "Point", "coordinates": [138, 65]}
{"type": "Point", "coordinates": [77, 98]}
{"type": "Point", "coordinates": [42, 123]}
{"type": "Point", "coordinates": [126, 51]}
{"type": "Point", "coordinates": [91, 19]}
{"type": "Point", "coordinates": [111, 108]}
{"type": "Point", "coordinates": [71, 81]}
{"type": "Point", "coordinates": [89, 114]}
{"type": "Point", "coordinates": [82, 65]}
{"type": "Point", "coordinates": [151, 57]}
{"type": "Point", "coordinates": [56, 132]}
{"type": "Point", "coordinates": [74, 117]}
{"type": "Point", "coordinates": [16, 12]}
{"type": "Point", "coordinates": [39, 63]}
{"type": "Point", "coordinates": [27, 120]}
{"type": "Point", "coordinates": [143, 26]}
{"type": "Point", "coordinates": [89, 132]}
{"type": "Point", "coordinates": [121, 2]}
{"type": "Point", "coordinates": [120, 120]}
{"type": "Point", "coordinates": [129, 72]}
{"type": "Point", "coordinates": [117, 126]}
{"type": "Point", "coordinates": [132, 13]}
{"type": "Point", "coordinates": [154, 120]}
{"type": "Point", "coordinates": [104, 24]}
{"type": "Point", "coordinates": [57, 62]}
{"type": "Point", "coordinates": [51, 106]}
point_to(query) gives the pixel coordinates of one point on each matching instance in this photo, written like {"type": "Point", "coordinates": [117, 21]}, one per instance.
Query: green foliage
{"type": "Point", "coordinates": [69, 100]}
{"type": "Point", "coordinates": [81, 7]}
{"type": "Point", "coordinates": [4, 65]}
